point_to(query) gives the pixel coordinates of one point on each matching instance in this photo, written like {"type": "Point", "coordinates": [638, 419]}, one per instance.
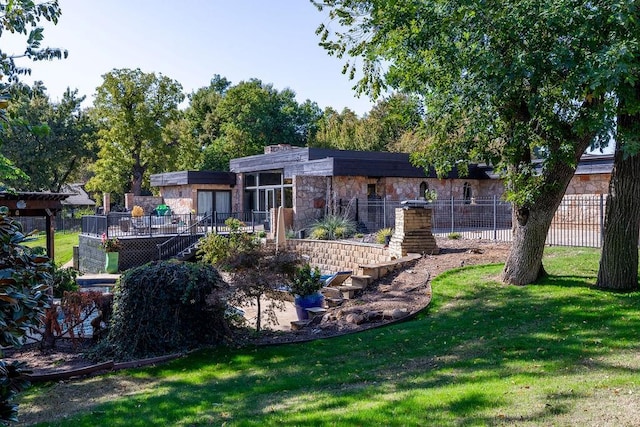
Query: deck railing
{"type": "Point", "coordinates": [122, 224]}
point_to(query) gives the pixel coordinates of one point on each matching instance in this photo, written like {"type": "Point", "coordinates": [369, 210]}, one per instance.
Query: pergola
{"type": "Point", "coordinates": [36, 204]}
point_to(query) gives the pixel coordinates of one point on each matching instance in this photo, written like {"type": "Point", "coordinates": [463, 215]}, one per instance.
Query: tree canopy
{"type": "Point", "coordinates": [506, 83]}
{"type": "Point", "coordinates": [132, 109]}
{"type": "Point", "coordinates": [48, 141]}
{"type": "Point", "coordinates": [22, 17]}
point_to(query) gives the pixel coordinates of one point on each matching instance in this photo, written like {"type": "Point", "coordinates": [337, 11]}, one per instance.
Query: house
{"type": "Point", "coordinates": [312, 181]}
{"type": "Point", "coordinates": [77, 199]}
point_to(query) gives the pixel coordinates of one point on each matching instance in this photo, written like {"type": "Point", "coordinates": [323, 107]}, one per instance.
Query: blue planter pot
{"type": "Point", "coordinates": [307, 301]}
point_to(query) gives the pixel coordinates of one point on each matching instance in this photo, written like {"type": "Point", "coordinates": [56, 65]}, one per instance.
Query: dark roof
{"type": "Point", "coordinates": [77, 196]}
{"type": "Point", "coordinates": [327, 162]}
{"type": "Point", "coordinates": [595, 164]}
{"type": "Point", "coordinates": [192, 177]}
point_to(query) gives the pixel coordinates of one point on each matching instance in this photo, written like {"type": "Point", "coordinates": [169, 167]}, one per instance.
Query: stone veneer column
{"type": "Point", "coordinates": [412, 233]}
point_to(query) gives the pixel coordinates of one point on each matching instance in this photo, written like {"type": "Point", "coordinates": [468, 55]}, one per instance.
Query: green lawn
{"type": "Point", "coordinates": [63, 245]}
{"type": "Point", "coordinates": [555, 353]}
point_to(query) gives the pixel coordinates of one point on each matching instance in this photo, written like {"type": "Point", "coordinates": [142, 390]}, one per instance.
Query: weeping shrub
{"type": "Point", "coordinates": [164, 307]}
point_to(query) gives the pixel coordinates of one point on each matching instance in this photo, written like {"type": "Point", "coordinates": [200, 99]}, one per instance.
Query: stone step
{"type": "Point", "coordinates": [331, 292]}
{"type": "Point", "coordinates": [296, 325]}
{"type": "Point", "coordinates": [315, 311]}
{"type": "Point", "coordinates": [333, 302]}
{"type": "Point", "coordinates": [348, 292]}
{"type": "Point", "coordinates": [361, 280]}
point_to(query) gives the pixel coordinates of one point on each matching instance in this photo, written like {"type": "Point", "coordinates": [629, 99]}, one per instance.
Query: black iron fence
{"type": "Point", "coordinates": [122, 224]}
{"type": "Point", "coordinates": [36, 223]}
{"type": "Point", "coordinates": [577, 222]}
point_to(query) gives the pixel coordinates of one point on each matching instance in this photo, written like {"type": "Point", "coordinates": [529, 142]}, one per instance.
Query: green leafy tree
{"type": "Point", "coordinates": [337, 130]}
{"type": "Point", "coordinates": [618, 64]}
{"type": "Point", "coordinates": [241, 120]}
{"type": "Point", "coordinates": [22, 17]}
{"type": "Point", "coordinates": [507, 83]}
{"type": "Point", "coordinates": [53, 154]}
{"type": "Point", "coordinates": [133, 108]}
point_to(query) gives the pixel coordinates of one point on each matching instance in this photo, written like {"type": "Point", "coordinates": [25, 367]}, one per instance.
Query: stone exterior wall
{"type": "Point", "coordinates": [589, 184]}
{"type": "Point", "coordinates": [148, 203]}
{"type": "Point", "coordinates": [331, 256]}
{"type": "Point", "coordinates": [581, 209]}
{"type": "Point", "coordinates": [183, 198]}
{"type": "Point", "coordinates": [309, 199]}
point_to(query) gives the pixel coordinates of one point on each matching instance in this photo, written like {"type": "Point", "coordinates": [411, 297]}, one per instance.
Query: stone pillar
{"type": "Point", "coordinates": [412, 233]}
{"type": "Point", "coordinates": [106, 202]}
{"type": "Point", "coordinates": [128, 201]}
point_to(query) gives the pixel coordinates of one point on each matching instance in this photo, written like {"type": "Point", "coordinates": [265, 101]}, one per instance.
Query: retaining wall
{"type": "Point", "coordinates": [333, 256]}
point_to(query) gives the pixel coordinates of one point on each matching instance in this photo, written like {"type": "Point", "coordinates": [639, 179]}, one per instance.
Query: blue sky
{"type": "Point", "coordinates": [190, 41]}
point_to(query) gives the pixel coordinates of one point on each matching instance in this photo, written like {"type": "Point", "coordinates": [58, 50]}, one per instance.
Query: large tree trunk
{"type": "Point", "coordinates": [531, 223]}
{"type": "Point", "coordinates": [136, 180]}
{"type": "Point", "coordinates": [530, 227]}
{"type": "Point", "coordinates": [619, 260]}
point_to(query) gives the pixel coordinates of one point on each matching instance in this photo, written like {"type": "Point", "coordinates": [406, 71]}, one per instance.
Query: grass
{"type": "Point", "coordinates": [63, 243]}
{"type": "Point", "coordinates": [555, 353]}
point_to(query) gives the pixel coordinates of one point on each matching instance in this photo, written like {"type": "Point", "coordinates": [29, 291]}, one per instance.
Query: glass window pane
{"type": "Point", "coordinates": [223, 202]}
{"type": "Point", "coordinates": [270, 178]}
{"type": "Point", "coordinates": [205, 202]}
{"type": "Point", "coordinates": [250, 180]}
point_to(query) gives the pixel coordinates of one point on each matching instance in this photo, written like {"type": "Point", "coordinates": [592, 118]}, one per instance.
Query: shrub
{"type": "Point", "coordinates": [256, 269]}
{"type": "Point", "coordinates": [166, 306]}
{"type": "Point", "coordinates": [454, 236]}
{"type": "Point", "coordinates": [64, 280]}
{"type": "Point", "coordinates": [382, 235]}
{"type": "Point", "coordinates": [306, 281]}
{"type": "Point", "coordinates": [26, 275]}
{"type": "Point", "coordinates": [333, 227]}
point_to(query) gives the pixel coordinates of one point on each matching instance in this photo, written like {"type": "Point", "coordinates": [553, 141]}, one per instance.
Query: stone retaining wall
{"type": "Point", "coordinates": [331, 256]}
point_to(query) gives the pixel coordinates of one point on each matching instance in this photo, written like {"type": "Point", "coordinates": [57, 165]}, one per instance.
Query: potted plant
{"type": "Point", "coordinates": [137, 211]}
{"type": "Point", "coordinates": [112, 257]}
{"type": "Point", "coordinates": [305, 284]}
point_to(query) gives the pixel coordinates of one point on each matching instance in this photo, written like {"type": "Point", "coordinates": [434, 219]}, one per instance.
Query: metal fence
{"type": "Point", "coordinates": [37, 223]}
{"type": "Point", "coordinates": [122, 224]}
{"type": "Point", "coordinates": [577, 222]}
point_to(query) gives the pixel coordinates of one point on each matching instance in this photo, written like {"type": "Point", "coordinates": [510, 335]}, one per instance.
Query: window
{"type": "Point", "coordinates": [466, 192]}
{"type": "Point", "coordinates": [214, 201]}
{"type": "Point", "coordinates": [423, 189]}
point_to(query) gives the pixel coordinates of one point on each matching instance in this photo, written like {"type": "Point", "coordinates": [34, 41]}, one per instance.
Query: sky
{"type": "Point", "coordinates": [192, 40]}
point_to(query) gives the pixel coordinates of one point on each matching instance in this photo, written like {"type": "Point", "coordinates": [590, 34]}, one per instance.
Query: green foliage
{"type": "Point", "coordinates": [12, 381]}
{"type": "Point", "coordinates": [333, 227]}
{"type": "Point", "coordinates": [382, 129]}
{"type": "Point", "coordinates": [454, 236]}
{"type": "Point", "coordinates": [23, 289]}
{"type": "Point", "coordinates": [256, 269]}
{"type": "Point", "coordinates": [383, 234]}
{"type": "Point", "coordinates": [25, 276]}
{"type": "Point", "coordinates": [64, 280]}
{"type": "Point", "coordinates": [22, 17]}
{"type": "Point", "coordinates": [53, 156]}
{"type": "Point", "coordinates": [306, 281]}
{"type": "Point", "coordinates": [223, 251]}
{"type": "Point", "coordinates": [133, 109]}
{"type": "Point", "coordinates": [164, 307]}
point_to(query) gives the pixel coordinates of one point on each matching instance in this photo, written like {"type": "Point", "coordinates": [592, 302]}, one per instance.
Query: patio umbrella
{"type": "Point", "coordinates": [280, 232]}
